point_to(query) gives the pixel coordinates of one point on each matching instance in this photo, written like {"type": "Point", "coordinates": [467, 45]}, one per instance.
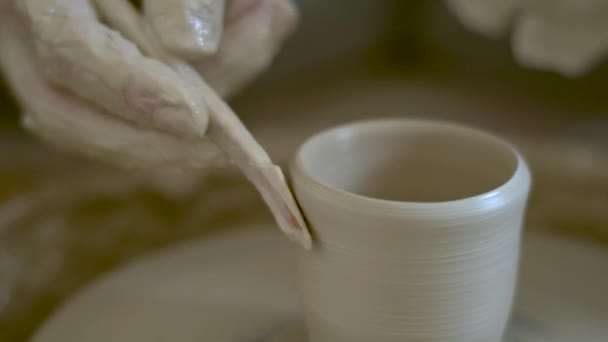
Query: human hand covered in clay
{"type": "Point", "coordinates": [566, 36]}
{"type": "Point", "coordinates": [85, 86]}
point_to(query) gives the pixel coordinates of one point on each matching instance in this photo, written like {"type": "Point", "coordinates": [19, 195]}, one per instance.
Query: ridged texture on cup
{"type": "Point", "coordinates": [389, 271]}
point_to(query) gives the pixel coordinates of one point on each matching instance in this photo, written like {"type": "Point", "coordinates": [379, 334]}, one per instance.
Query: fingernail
{"type": "Point", "coordinates": [192, 30]}
{"type": "Point", "coordinates": [206, 19]}
{"type": "Point", "coordinates": [181, 122]}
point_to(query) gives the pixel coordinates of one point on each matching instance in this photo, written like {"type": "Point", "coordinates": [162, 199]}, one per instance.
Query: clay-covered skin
{"type": "Point", "coordinates": [86, 87]}
{"type": "Point", "coordinates": [565, 36]}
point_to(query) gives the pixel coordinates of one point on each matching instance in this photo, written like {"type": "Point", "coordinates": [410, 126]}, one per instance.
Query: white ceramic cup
{"type": "Point", "coordinates": [416, 228]}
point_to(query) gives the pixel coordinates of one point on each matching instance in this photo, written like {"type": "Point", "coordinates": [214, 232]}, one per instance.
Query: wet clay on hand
{"type": "Point", "coordinates": [228, 132]}
{"type": "Point", "coordinates": [121, 94]}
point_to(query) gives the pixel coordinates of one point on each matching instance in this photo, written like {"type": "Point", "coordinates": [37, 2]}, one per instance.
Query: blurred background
{"type": "Point", "coordinates": [65, 220]}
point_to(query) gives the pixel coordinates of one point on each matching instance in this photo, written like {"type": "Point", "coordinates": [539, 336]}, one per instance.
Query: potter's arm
{"type": "Point", "coordinates": [566, 36]}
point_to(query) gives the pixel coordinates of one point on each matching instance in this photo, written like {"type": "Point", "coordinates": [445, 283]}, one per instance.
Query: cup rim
{"type": "Point", "coordinates": [506, 192]}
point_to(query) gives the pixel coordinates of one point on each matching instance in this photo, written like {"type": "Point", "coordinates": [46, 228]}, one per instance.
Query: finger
{"type": "Point", "coordinates": [489, 17]}
{"type": "Point", "coordinates": [75, 125]}
{"type": "Point", "coordinates": [571, 48]}
{"type": "Point", "coordinates": [255, 29]}
{"type": "Point", "coordinates": [568, 11]}
{"type": "Point", "coordinates": [189, 29]}
{"type": "Point", "coordinates": [125, 18]}
{"type": "Point", "coordinates": [103, 67]}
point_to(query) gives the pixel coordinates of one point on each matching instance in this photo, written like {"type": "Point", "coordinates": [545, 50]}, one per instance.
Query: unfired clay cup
{"type": "Point", "coordinates": [416, 228]}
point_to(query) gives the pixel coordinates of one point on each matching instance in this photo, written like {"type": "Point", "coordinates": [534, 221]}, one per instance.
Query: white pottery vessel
{"type": "Point", "coordinates": [417, 228]}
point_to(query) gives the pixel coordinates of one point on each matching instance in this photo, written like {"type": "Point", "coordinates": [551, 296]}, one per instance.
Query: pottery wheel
{"type": "Point", "coordinates": [241, 286]}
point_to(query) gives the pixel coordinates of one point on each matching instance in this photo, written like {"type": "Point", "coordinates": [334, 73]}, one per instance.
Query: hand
{"type": "Point", "coordinates": [85, 87]}
{"type": "Point", "coordinates": [566, 36]}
